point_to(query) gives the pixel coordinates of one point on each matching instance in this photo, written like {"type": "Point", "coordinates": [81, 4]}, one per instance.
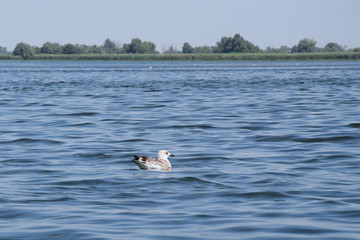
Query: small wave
{"type": "Point", "coordinates": [262, 195]}
{"type": "Point", "coordinates": [32, 140]}
{"type": "Point", "coordinates": [305, 230]}
{"type": "Point", "coordinates": [354, 125]}
{"type": "Point", "coordinates": [17, 161]}
{"type": "Point", "coordinates": [80, 124]}
{"type": "Point", "coordinates": [339, 156]}
{"type": "Point", "coordinates": [194, 179]}
{"type": "Point", "coordinates": [187, 180]}
{"type": "Point", "coordinates": [127, 86]}
{"type": "Point", "coordinates": [348, 213]}
{"type": "Point", "coordinates": [153, 90]}
{"type": "Point", "coordinates": [93, 155]}
{"type": "Point", "coordinates": [60, 199]}
{"type": "Point", "coordinates": [76, 114]}
{"type": "Point", "coordinates": [241, 229]}
{"type": "Point", "coordinates": [146, 106]}
{"type": "Point", "coordinates": [132, 140]}
{"type": "Point", "coordinates": [253, 127]}
{"type": "Point", "coordinates": [86, 182]}
{"type": "Point", "coordinates": [312, 160]}
{"type": "Point", "coordinates": [201, 126]}
{"type": "Point", "coordinates": [326, 139]}
{"type": "Point", "coordinates": [274, 138]}
{"type": "Point", "coordinates": [49, 105]}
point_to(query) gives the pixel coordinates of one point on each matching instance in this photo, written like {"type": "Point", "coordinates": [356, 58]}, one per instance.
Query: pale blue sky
{"type": "Point", "coordinates": [165, 22]}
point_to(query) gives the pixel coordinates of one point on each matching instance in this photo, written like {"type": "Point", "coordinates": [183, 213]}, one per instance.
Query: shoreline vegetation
{"type": "Point", "coordinates": [234, 48]}
{"type": "Point", "coordinates": [262, 56]}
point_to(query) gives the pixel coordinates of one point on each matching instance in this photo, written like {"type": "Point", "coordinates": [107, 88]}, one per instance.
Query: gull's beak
{"type": "Point", "coordinates": [172, 155]}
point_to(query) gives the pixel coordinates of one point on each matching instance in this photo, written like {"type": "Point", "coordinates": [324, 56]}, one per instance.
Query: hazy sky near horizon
{"type": "Point", "coordinates": [173, 22]}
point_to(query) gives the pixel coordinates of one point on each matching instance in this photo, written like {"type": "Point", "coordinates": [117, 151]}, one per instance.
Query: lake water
{"type": "Point", "coordinates": [263, 150]}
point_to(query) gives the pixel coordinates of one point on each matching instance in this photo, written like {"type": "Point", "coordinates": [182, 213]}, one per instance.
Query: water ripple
{"type": "Point", "coordinates": [32, 140]}
{"type": "Point", "coordinates": [263, 150]}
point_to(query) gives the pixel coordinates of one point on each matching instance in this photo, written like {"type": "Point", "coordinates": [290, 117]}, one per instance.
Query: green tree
{"type": "Point", "coordinates": [84, 49]}
{"type": "Point", "coordinates": [225, 45]}
{"type": "Point", "coordinates": [110, 46]}
{"type": "Point", "coordinates": [71, 49]}
{"type": "Point", "coordinates": [282, 49]}
{"type": "Point", "coordinates": [133, 47]}
{"type": "Point", "coordinates": [137, 46]}
{"type": "Point", "coordinates": [3, 50]}
{"type": "Point", "coordinates": [202, 49]}
{"type": "Point", "coordinates": [239, 44]}
{"type": "Point", "coordinates": [96, 50]}
{"type": "Point", "coordinates": [35, 49]}
{"type": "Point", "coordinates": [149, 47]}
{"type": "Point", "coordinates": [187, 48]}
{"type": "Point", "coordinates": [305, 45]}
{"type": "Point", "coordinates": [333, 47]}
{"type": "Point", "coordinates": [51, 48]}
{"type": "Point", "coordinates": [235, 44]}
{"type": "Point", "coordinates": [24, 50]}
{"type": "Point", "coordinates": [171, 50]}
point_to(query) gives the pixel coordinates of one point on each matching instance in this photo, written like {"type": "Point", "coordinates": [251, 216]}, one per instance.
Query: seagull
{"type": "Point", "coordinates": [161, 163]}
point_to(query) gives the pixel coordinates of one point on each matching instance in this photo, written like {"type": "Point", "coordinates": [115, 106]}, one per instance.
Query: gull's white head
{"type": "Point", "coordinates": [164, 154]}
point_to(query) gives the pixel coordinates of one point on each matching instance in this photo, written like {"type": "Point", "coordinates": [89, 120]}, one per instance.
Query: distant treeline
{"type": "Point", "coordinates": [227, 45]}
{"type": "Point", "coordinates": [260, 56]}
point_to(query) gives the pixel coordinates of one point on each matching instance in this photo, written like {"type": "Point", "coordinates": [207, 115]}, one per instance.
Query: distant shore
{"type": "Point", "coordinates": [317, 56]}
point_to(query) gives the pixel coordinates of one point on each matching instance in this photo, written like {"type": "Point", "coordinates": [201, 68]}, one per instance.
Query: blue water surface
{"type": "Point", "coordinates": [264, 150]}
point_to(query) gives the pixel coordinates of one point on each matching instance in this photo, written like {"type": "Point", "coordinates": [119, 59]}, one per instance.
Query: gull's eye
{"type": "Point", "coordinates": [167, 153]}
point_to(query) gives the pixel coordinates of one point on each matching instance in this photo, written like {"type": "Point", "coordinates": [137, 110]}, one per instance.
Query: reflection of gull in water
{"type": "Point", "coordinates": [160, 163]}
